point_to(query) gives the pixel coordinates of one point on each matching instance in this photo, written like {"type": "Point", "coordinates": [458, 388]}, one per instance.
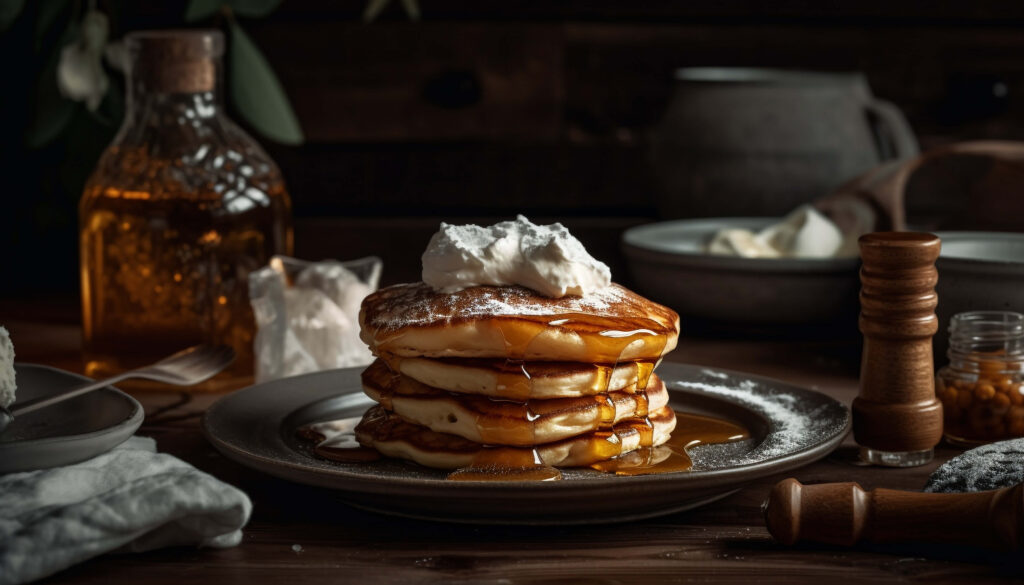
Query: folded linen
{"type": "Point", "coordinates": [130, 499]}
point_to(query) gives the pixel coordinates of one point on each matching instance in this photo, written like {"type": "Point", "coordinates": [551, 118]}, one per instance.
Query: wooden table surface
{"type": "Point", "coordinates": [300, 535]}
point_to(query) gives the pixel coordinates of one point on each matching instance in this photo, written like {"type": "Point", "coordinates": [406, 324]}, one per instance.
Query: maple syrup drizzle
{"type": "Point", "coordinates": [514, 379]}
{"type": "Point", "coordinates": [691, 430]}
{"type": "Point", "coordinates": [335, 440]}
{"type": "Point", "coordinates": [501, 421]}
{"type": "Point", "coordinates": [605, 339]}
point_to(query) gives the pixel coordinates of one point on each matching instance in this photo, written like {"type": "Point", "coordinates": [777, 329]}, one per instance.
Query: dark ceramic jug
{"type": "Point", "coordinates": [759, 142]}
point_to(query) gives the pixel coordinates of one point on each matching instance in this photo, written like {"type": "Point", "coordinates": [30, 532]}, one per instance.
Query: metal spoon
{"type": "Point", "coordinates": [187, 367]}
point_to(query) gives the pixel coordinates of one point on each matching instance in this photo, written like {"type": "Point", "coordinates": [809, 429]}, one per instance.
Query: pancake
{"type": "Point", "coordinates": [394, 437]}
{"type": "Point", "coordinates": [505, 422]}
{"type": "Point", "coordinates": [608, 326]}
{"type": "Point", "coordinates": [501, 378]}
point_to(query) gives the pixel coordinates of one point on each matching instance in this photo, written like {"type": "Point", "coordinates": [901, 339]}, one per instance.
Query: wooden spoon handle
{"type": "Point", "coordinates": [845, 514]}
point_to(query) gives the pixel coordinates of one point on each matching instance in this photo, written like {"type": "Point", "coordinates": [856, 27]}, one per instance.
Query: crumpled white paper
{"type": "Point", "coordinates": [307, 314]}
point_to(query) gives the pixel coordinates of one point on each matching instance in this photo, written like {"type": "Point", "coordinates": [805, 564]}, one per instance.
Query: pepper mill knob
{"type": "Point", "coordinates": [897, 419]}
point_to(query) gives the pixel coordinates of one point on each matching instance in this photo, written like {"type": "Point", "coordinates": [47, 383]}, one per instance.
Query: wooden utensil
{"type": "Point", "coordinates": [844, 514]}
{"type": "Point", "coordinates": [896, 418]}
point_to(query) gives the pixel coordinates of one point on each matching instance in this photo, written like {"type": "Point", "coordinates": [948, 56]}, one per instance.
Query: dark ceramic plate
{"type": "Point", "coordinates": [69, 431]}
{"type": "Point", "coordinates": [790, 427]}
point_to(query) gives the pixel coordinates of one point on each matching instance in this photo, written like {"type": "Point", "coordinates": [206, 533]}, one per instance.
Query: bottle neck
{"type": "Point", "coordinates": [147, 107]}
{"type": "Point", "coordinates": [167, 111]}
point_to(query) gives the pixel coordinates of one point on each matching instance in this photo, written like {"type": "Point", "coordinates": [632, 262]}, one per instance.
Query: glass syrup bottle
{"type": "Point", "coordinates": [180, 208]}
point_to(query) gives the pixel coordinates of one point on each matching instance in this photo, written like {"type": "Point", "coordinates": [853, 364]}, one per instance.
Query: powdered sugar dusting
{"type": "Point", "coordinates": [988, 467]}
{"type": "Point", "coordinates": [794, 424]}
{"type": "Point", "coordinates": [416, 304]}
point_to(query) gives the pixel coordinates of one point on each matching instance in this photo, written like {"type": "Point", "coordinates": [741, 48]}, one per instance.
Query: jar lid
{"type": "Point", "coordinates": [175, 61]}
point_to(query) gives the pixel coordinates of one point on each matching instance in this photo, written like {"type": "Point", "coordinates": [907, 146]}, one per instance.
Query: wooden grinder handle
{"type": "Point", "coordinates": [844, 514]}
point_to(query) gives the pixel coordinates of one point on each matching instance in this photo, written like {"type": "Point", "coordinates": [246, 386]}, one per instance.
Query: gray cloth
{"type": "Point", "coordinates": [130, 499]}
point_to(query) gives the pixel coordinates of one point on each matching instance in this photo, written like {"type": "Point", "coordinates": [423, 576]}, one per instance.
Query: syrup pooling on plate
{"type": "Point", "coordinates": [691, 430]}
{"type": "Point", "coordinates": [499, 463]}
{"type": "Point", "coordinates": [505, 464]}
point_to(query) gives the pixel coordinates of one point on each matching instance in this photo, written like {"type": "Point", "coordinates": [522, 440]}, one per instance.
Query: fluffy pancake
{"type": "Point", "coordinates": [608, 326]}
{"type": "Point", "coordinates": [394, 437]}
{"type": "Point", "coordinates": [505, 422]}
{"type": "Point", "coordinates": [501, 378]}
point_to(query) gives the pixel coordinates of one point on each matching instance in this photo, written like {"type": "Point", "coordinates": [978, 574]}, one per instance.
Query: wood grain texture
{"type": "Point", "coordinates": [896, 409]}
{"type": "Point", "coordinates": [845, 514]}
{"type": "Point", "coordinates": [723, 542]}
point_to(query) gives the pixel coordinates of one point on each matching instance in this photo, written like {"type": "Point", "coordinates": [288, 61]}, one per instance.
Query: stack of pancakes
{"type": "Point", "coordinates": [503, 376]}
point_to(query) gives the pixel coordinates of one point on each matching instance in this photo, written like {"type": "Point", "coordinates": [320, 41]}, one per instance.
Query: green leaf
{"type": "Point", "coordinates": [256, 92]}
{"type": "Point", "coordinates": [253, 8]}
{"type": "Point", "coordinates": [9, 11]}
{"type": "Point", "coordinates": [200, 9]}
{"type": "Point", "coordinates": [52, 112]}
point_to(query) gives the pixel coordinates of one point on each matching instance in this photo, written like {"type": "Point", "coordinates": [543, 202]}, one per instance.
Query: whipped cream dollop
{"type": "Point", "coordinates": [545, 258]}
{"type": "Point", "coordinates": [804, 233]}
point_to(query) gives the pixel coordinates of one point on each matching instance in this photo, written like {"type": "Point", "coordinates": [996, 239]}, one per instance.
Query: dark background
{"type": "Point", "coordinates": [482, 110]}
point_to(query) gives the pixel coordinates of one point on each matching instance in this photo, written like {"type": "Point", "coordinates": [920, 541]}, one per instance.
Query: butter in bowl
{"type": "Point", "coordinates": [798, 270]}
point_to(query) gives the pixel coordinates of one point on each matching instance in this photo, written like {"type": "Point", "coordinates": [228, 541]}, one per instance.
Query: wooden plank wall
{"type": "Point", "coordinates": [485, 109]}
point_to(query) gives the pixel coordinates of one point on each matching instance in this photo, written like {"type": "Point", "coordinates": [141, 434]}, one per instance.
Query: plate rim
{"type": "Point", "coordinates": [978, 264]}
{"type": "Point", "coordinates": [777, 464]}
{"type": "Point", "coordinates": [136, 418]}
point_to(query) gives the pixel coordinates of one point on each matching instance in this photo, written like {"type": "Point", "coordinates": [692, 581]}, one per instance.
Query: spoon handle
{"type": "Point", "coordinates": [28, 406]}
{"type": "Point", "coordinates": [844, 514]}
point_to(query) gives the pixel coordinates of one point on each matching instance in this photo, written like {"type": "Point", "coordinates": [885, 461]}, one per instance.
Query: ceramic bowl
{"type": "Point", "coordinates": [978, 271]}
{"type": "Point", "coordinates": [668, 264]}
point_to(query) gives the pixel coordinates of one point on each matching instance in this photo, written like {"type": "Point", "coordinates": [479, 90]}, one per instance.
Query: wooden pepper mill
{"type": "Point", "coordinates": [844, 514]}
{"type": "Point", "coordinates": [897, 419]}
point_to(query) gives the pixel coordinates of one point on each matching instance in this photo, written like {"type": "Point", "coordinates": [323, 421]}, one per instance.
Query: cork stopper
{"type": "Point", "coordinates": [175, 61]}
{"type": "Point", "coordinates": [896, 410]}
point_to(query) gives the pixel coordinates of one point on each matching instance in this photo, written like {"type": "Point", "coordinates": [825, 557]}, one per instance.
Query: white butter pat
{"type": "Point", "coordinates": [544, 258]}
{"type": "Point", "coordinates": [739, 242]}
{"type": "Point", "coordinates": [804, 233]}
{"type": "Point", "coordinates": [7, 382]}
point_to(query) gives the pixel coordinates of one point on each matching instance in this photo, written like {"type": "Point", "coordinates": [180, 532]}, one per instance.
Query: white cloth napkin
{"type": "Point", "coordinates": [130, 499]}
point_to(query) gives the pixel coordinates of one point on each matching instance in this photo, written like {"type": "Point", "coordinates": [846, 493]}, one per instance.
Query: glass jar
{"type": "Point", "coordinates": [180, 208]}
{"type": "Point", "coordinates": [981, 391]}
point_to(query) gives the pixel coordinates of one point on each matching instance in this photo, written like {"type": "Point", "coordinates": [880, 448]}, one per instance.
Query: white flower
{"type": "Point", "coordinates": [80, 74]}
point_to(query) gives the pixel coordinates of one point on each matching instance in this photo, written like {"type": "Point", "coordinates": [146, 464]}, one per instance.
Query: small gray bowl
{"type": "Point", "coordinates": [978, 271]}
{"type": "Point", "coordinates": [668, 264]}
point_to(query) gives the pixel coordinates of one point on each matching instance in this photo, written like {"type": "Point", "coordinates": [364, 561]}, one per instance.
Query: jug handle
{"type": "Point", "coordinates": [896, 129]}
